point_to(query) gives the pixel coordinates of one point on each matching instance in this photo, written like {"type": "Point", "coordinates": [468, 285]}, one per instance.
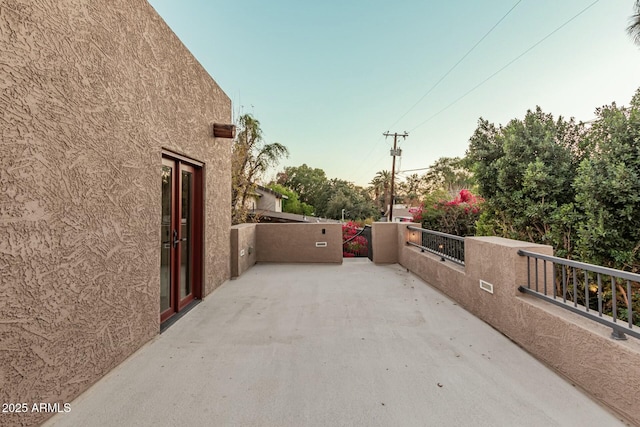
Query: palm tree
{"type": "Point", "coordinates": [381, 185]}
{"type": "Point", "coordinates": [449, 174]}
{"type": "Point", "coordinates": [634, 28]}
{"type": "Point", "coordinates": [413, 183]}
{"type": "Point", "coordinates": [250, 158]}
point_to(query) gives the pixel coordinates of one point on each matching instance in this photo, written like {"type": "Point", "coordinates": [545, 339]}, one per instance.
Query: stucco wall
{"type": "Point", "coordinates": [297, 243]}
{"type": "Point", "coordinates": [578, 348]}
{"type": "Point", "coordinates": [243, 248]}
{"type": "Point", "coordinates": [384, 236]}
{"type": "Point", "coordinates": [90, 93]}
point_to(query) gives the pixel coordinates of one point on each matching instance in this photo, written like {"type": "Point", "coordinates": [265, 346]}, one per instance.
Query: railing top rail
{"type": "Point", "coordinates": [359, 233]}
{"type": "Point", "coordinates": [583, 265]}
{"type": "Point", "coordinates": [439, 253]}
{"type": "Point", "coordinates": [437, 233]}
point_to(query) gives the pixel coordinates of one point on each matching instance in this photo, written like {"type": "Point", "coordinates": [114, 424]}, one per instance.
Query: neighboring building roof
{"type": "Point", "coordinates": [272, 216]}
{"type": "Point", "coordinates": [402, 212]}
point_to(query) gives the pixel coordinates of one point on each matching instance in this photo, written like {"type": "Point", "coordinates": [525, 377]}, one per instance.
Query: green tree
{"type": "Point", "coordinates": [575, 188]}
{"type": "Point", "coordinates": [525, 173]}
{"type": "Point", "coordinates": [450, 174]}
{"type": "Point", "coordinates": [411, 189]}
{"type": "Point", "coordinates": [608, 192]}
{"type": "Point", "coordinates": [381, 184]}
{"type": "Point", "coordinates": [250, 158]}
{"type": "Point", "coordinates": [292, 203]}
{"type": "Point", "coordinates": [354, 200]}
{"type": "Point", "coordinates": [608, 189]}
{"type": "Point", "coordinates": [309, 183]}
{"type": "Point", "coordinates": [485, 148]}
{"type": "Point", "coordinates": [327, 196]}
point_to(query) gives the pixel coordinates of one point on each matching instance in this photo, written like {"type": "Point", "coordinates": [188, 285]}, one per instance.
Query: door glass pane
{"type": "Point", "coordinates": [165, 251]}
{"type": "Point", "coordinates": [185, 230]}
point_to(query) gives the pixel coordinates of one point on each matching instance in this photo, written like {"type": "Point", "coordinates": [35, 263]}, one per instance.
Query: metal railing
{"type": "Point", "coordinates": [447, 246]}
{"type": "Point", "coordinates": [573, 285]}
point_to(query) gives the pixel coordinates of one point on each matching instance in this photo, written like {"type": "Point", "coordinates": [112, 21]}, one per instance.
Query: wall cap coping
{"type": "Point", "coordinates": [244, 225]}
{"type": "Point", "coordinates": [507, 242]}
{"type": "Point", "coordinates": [299, 224]}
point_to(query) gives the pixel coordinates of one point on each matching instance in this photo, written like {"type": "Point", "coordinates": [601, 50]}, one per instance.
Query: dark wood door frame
{"type": "Point", "coordinates": [193, 236]}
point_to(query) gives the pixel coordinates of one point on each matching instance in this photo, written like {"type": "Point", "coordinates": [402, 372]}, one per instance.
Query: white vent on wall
{"type": "Point", "coordinates": [486, 286]}
{"type": "Point", "coordinates": [321, 244]}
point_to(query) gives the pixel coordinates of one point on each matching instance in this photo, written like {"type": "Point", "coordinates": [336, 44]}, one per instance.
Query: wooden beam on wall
{"type": "Point", "coordinates": [224, 131]}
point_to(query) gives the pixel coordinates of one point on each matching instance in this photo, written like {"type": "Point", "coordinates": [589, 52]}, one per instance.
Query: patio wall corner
{"type": "Point", "coordinates": [243, 248]}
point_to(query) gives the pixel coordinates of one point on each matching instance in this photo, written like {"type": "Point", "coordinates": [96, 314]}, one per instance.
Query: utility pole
{"type": "Point", "coordinates": [395, 152]}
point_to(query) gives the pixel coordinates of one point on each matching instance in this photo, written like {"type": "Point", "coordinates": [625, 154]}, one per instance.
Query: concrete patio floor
{"type": "Point", "coordinates": [331, 345]}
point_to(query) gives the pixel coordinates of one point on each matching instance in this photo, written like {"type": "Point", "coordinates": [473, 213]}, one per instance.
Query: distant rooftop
{"type": "Point", "coordinates": [272, 216]}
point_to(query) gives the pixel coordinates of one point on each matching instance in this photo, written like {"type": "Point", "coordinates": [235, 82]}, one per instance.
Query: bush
{"type": "Point", "coordinates": [457, 216]}
{"type": "Point", "coordinates": [359, 245]}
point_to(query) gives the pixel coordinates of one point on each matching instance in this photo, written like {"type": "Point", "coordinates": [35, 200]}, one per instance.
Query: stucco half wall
{"type": "Point", "coordinates": [313, 243]}
{"type": "Point", "coordinates": [243, 248]}
{"type": "Point", "coordinates": [92, 92]}
{"type": "Point", "coordinates": [384, 236]}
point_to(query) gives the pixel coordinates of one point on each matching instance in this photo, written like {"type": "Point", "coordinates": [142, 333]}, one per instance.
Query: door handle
{"type": "Point", "coordinates": [176, 240]}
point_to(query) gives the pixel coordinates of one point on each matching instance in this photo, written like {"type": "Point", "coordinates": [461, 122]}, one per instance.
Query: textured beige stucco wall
{"type": "Point", "coordinates": [243, 248]}
{"type": "Point", "coordinates": [384, 236]}
{"type": "Point", "coordinates": [90, 92]}
{"type": "Point", "coordinates": [297, 243]}
{"type": "Point", "coordinates": [578, 348]}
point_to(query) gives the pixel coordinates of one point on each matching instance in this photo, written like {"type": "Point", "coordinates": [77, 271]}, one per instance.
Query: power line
{"type": "Point", "coordinates": [507, 65]}
{"type": "Point", "coordinates": [373, 148]}
{"type": "Point", "coordinates": [413, 170]}
{"type": "Point", "coordinates": [492, 75]}
{"type": "Point", "coordinates": [456, 64]}
{"type": "Point", "coordinates": [363, 161]}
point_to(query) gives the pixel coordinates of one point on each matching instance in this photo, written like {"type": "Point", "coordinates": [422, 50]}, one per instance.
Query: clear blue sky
{"type": "Point", "coordinates": [327, 78]}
